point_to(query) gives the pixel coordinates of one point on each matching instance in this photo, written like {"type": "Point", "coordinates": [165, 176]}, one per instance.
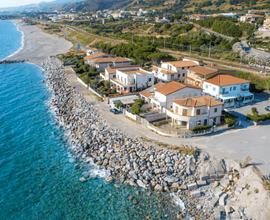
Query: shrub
{"type": "Point", "coordinates": [136, 107]}
{"type": "Point", "coordinates": [229, 119]}
{"type": "Point", "coordinates": [256, 117]}
{"type": "Point", "coordinates": [199, 128]}
{"type": "Point", "coordinates": [118, 104]}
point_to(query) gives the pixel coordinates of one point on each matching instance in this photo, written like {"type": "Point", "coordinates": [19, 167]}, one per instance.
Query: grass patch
{"type": "Point", "coordinates": [258, 83]}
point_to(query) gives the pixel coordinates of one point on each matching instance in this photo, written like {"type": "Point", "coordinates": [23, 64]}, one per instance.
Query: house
{"type": "Point", "coordinates": [173, 71]}
{"type": "Point", "coordinates": [91, 51]}
{"type": "Point", "coordinates": [198, 74]}
{"type": "Point", "coordinates": [165, 93]}
{"type": "Point", "coordinates": [102, 63]}
{"type": "Point", "coordinates": [110, 71]}
{"type": "Point", "coordinates": [251, 18]}
{"type": "Point", "coordinates": [194, 111]}
{"type": "Point", "coordinates": [230, 90]}
{"type": "Point", "coordinates": [90, 58]}
{"type": "Point", "coordinates": [132, 79]}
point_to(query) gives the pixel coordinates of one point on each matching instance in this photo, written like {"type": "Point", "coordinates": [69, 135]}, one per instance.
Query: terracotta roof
{"type": "Point", "coordinates": [96, 55]}
{"type": "Point", "coordinates": [203, 70]}
{"type": "Point", "coordinates": [181, 63]}
{"type": "Point", "coordinates": [171, 87]}
{"type": "Point", "coordinates": [226, 80]}
{"type": "Point", "coordinates": [198, 101]}
{"type": "Point", "coordinates": [145, 93]}
{"type": "Point", "coordinates": [112, 69]}
{"type": "Point", "coordinates": [162, 70]}
{"type": "Point", "coordinates": [111, 60]}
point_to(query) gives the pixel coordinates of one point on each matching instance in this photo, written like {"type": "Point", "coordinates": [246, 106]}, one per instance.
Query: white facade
{"type": "Point", "coordinates": [132, 79]}
{"type": "Point", "coordinates": [162, 102]}
{"type": "Point", "coordinates": [231, 95]}
{"type": "Point", "coordinates": [173, 71]}
{"type": "Point", "coordinates": [91, 51]}
{"type": "Point", "coordinates": [191, 117]}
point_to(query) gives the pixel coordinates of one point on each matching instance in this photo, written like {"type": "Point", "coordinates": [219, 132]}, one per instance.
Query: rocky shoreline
{"type": "Point", "coordinates": [133, 161]}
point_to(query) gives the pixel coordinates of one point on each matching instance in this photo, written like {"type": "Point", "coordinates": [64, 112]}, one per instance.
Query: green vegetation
{"type": "Point", "coordinates": [258, 83]}
{"type": "Point", "coordinates": [199, 128]}
{"type": "Point", "coordinates": [256, 117]}
{"type": "Point", "coordinates": [141, 52]}
{"type": "Point", "coordinates": [228, 26]}
{"type": "Point", "coordinates": [186, 150]}
{"type": "Point", "coordinates": [118, 104]}
{"type": "Point", "coordinates": [229, 119]}
{"type": "Point", "coordinates": [136, 107]}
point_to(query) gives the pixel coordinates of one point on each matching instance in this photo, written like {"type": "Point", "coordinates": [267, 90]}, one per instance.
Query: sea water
{"type": "Point", "coordinates": [39, 179]}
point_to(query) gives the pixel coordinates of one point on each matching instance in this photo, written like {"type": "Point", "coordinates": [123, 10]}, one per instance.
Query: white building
{"type": "Point", "coordinates": [110, 71]}
{"type": "Point", "coordinates": [89, 59]}
{"type": "Point", "coordinates": [91, 51]}
{"type": "Point", "coordinates": [102, 63]}
{"type": "Point", "coordinates": [198, 74]}
{"type": "Point", "coordinates": [166, 93]}
{"type": "Point", "coordinates": [230, 90]}
{"type": "Point", "coordinates": [173, 71]}
{"type": "Point", "coordinates": [132, 79]}
{"type": "Point", "coordinates": [191, 112]}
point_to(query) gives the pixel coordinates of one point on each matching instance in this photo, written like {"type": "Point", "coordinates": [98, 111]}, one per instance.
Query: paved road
{"type": "Point", "coordinates": [237, 144]}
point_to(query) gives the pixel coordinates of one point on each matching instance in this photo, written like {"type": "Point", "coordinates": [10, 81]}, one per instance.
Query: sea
{"type": "Point", "coordinates": [39, 177]}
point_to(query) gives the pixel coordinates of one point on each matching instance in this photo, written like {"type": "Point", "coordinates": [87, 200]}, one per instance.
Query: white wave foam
{"type": "Point", "coordinates": [177, 201]}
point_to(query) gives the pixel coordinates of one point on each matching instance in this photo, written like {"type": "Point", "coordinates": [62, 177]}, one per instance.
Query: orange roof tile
{"type": "Point", "coordinates": [182, 63]}
{"type": "Point", "coordinates": [145, 93]}
{"type": "Point", "coordinates": [96, 55]}
{"type": "Point", "coordinates": [198, 101]}
{"type": "Point", "coordinates": [111, 60]}
{"type": "Point", "coordinates": [171, 87]}
{"type": "Point", "coordinates": [226, 80]}
{"type": "Point", "coordinates": [203, 70]}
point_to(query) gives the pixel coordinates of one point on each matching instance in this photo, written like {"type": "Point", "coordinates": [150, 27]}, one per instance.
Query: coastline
{"type": "Point", "coordinates": [62, 97]}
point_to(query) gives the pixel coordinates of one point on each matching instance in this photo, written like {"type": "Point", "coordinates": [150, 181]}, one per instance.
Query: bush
{"type": "Point", "coordinates": [256, 117]}
{"type": "Point", "coordinates": [229, 119]}
{"type": "Point", "coordinates": [118, 104]}
{"type": "Point", "coordinates": [136, 107]}
{"type": "Point", "coordinates": [199, 128]}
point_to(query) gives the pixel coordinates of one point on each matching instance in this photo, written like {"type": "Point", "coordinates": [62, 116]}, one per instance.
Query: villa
{"type": "Point", "coordinates": [91, 51]}
{"type": "Point", "coordinates": [198, 74]}
{"type": "Point", "coordinates": [89, 59]}
{"type": "Point", "coordinates": [104, 62]}
{"type": "Point", "coordinates": [110, 71]}
{"type": "Point", "coordinates": [166, 93]}
{"type": "Point", "coordinates": [132, 79]}
{"type": "Point", "coordinates": [191, 112]}
{"type": "Point", "coordinates": [230, 90]}
{"type": "Point", "coordinates": [173, 71]}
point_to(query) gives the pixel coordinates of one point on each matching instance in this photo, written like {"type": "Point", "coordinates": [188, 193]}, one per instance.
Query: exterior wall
{"type": "Point", "coordinates": [208, 115]}
{"type": "Point", "coordinates": [166, 101]}
{"type": "Point", "coordinates": [229, 94]}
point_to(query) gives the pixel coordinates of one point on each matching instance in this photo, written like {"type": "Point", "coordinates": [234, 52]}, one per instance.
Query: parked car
{"type": "Point", "coordinates": [115, 111]}
{"type": "Point", "coordinates": [267, 108]}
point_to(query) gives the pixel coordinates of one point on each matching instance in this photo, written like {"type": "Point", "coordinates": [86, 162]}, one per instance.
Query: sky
{"type": "Point", "coordinates": [11, 3]}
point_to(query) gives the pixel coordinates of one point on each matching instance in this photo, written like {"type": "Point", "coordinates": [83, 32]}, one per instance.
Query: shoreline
{"type": "Point", "coordinates": [80, 108]}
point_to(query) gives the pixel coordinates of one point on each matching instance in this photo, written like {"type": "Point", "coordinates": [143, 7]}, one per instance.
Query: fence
{"type": "Point", "coordinates": [89, 88]}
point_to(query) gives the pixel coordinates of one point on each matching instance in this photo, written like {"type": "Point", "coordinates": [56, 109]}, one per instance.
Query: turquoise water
{"type": "Point", "coordinates": [38, 177]}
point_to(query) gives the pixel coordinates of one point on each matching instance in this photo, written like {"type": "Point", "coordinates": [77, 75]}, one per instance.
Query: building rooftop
{"type": "Point", "coordinates": [113, 69]}
{"type": "Point", "coordinates": [182, 63]}
{"type": "Point", "coordinates": [226, 80]}
{"type": "Point", "coordinates": [111, 60]}
{"type": "Point", "coordinates": [203, 70]}
{"type": "Point", "coordinates": [96, 55]}
{"type": "Point", "coordinates": [171, 87]}
{"type": "Point", "coordinates": [198, 101]}
{"type": "Point", "coordinates": [146, 93]}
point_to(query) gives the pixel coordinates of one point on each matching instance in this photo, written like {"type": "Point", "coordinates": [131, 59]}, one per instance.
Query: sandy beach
{"type": "Point", "coordinates": [39, 45]}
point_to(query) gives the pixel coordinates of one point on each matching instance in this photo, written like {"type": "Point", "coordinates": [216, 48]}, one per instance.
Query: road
{"type": "Point", "coordinates": [253, 141]}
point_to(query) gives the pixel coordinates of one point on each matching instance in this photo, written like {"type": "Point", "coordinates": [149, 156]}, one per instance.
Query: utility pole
{"type": "Point", "coordinates": [190, 49]}
{"type": "Point", "coordinates": [209, 51]}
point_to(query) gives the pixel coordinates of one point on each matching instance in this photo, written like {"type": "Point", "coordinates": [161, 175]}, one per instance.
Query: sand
{"type": "Point", "coordinates": [39, 45]}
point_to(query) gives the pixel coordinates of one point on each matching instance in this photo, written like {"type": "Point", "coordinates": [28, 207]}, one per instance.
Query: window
{"type": "Point", "coordinates": [234, 88]}
{"type": "Point", "coordinates": [184, 112]}
{"type": "Point", "coordinates": [149, 79]}
{"type": "Point", "coordinates": [183, 68]}
{"type": "Point", "coordinates": [199, 122]}
{"type": "Point", "coordinates": [198, 112]}
{"type": "Point", "coordinates": [223, 90]}
{"type": "Point", "coordinates": [179, 75]}
{"type": "Point", "coordinates": [184, 74]}
{"type": "Point", "coordinates": [205, 122]}
{"type": "Point", "coordinates": [215, 110]}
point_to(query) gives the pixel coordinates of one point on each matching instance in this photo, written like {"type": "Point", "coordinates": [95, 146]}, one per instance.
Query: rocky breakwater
{"type": "Point", "coordinates": [124, 159]}
{"type": "Point", "coordinates": [194, 178]}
